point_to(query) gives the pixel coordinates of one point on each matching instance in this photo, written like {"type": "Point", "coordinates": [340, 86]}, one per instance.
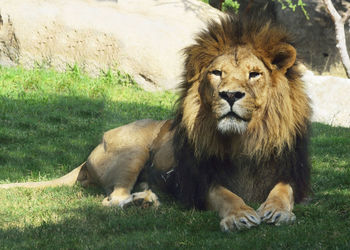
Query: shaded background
{"type": "Point", "coordinates": [315, 37]}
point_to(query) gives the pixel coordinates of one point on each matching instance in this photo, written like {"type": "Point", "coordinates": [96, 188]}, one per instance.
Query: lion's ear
{"type": "Point", "coordinates": [283, 57]}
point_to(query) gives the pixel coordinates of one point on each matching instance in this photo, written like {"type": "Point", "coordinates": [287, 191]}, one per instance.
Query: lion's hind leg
{"type": "Point", "coordinates": [117, 162]}
{"type": "Point", "coordinates": [122, 177]}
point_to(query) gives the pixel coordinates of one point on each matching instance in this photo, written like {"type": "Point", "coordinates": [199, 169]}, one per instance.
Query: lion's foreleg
{"type": "Point", "coordinates": [232, 209]}
{"type": "Point", "coordinates": [277, 209]}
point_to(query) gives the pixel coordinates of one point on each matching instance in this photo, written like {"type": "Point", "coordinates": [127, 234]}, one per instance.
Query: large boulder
{"type": "Point", "coordinates": [315, 37]}
{"type": "Point", "coordinates": [141, 37]}
{"type": "Point", "coordinates": [330, 99]}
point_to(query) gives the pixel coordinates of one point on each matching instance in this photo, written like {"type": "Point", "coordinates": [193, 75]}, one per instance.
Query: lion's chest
{"type": "Point", "coordinates": [252, 182]}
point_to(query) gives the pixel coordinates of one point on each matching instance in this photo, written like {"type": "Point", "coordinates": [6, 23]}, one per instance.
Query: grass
{"type": "Point", "coordinates": [50, 122]}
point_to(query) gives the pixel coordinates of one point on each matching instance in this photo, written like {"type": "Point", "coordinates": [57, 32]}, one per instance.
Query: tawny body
{"type": "Point", "coordinates": [116, 163]}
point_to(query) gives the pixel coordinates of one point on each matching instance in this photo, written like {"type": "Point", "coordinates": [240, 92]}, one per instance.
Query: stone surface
{"type": "Point", "coordinates": [330, 99]}
{"type": "Point", "coordinates": [141, 37]}
{"type": "Point", "coordinates": [314, 38]}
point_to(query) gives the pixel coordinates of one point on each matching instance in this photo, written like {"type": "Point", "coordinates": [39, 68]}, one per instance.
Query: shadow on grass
{"type": "Point", "coordinates": [94, 226]}
{"type": "Point", "coordinates": [91, 227]}
{"type": "Point", "coordinates": [331, 141]}
{"type": "Point", "coordinates": [330, 152]}
{"type": "Point", "coordinates": [53, 134]}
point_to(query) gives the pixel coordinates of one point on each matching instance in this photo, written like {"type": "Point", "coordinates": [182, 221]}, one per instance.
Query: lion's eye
{"type": "Point", "coordinates": [254, 75]}
{"type": "Point", "coordinates": [216, 72]}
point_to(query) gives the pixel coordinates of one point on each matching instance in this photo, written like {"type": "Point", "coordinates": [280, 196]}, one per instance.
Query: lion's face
{"type": "Point", "coordinates": [242, 91]}
{"type": "Point", "coordinates": [232, 87]}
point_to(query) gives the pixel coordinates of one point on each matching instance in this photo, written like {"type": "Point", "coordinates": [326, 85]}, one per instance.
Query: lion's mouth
{"type": "Point", "coordinates": [234, 115]}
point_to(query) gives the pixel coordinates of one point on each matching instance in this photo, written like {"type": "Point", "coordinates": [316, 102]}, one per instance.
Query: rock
{"type": "Point", "coordinates": [330, 99]}
{"type": "Point", "coordinates": [314, 37]}
{"type": "Point", "coordinates": [143, 38]}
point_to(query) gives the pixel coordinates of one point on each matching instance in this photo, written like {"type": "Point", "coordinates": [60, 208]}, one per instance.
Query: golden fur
{"type": "Point", "coordinates": [239, 133]}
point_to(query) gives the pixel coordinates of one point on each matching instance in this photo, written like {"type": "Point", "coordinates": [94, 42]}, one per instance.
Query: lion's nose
{"type": "Point", "coordinates": [231, 96]}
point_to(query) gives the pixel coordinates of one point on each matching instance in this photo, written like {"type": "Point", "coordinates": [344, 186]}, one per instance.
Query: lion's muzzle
{"type": "Point", "coordinates": [231, 96]}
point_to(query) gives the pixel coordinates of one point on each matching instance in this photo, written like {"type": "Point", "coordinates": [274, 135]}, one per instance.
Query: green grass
{"type": "Point", "coordinates": [50, 122]}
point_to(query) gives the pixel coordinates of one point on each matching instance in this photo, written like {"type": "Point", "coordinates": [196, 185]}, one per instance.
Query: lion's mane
{"type": "Point", "coordinates": [274, 145]}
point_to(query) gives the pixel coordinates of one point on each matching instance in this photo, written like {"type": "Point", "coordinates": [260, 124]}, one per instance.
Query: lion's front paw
{"type": "Point", "coordinates": [245, 218]}
{"type": "Point", "coordinates": [273, 212]}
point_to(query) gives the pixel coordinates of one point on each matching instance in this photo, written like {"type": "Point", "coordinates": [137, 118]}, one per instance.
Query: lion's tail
{"type": "Point", "coordinates": [69, 179]}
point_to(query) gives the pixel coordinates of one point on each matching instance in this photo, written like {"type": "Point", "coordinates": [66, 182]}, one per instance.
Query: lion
{"type": "Point", "coordinates": [239, 134]}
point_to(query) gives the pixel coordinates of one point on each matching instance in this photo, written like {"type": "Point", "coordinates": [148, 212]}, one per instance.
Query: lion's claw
{"type": "Point", "coordinates": [283, 217]}
{"type": "Point", "coordinates": [274, 215]}
{"type": "Point", "coordinates": [239, 221]}
{"type": "Point", "coordinates": [255, 219]}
